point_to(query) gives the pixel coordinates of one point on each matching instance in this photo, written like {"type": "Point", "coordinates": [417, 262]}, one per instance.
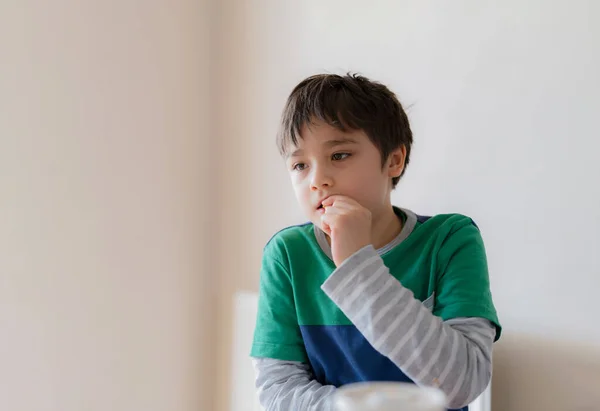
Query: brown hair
{"type": "Point", "coordinates": [349, 102]}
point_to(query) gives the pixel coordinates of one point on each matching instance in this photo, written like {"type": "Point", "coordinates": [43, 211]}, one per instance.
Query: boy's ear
{"type": "Point", "coordinates": [396, 162]}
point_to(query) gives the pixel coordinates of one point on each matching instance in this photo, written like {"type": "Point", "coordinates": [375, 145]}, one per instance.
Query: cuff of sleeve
{"type": "Point", "coordinates": [345, 277]}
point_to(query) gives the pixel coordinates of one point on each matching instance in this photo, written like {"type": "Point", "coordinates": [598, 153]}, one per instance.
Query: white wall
{"type": "Point", "coordinates": [103, 214]}
{"type": "Point", "coordinates": [504, 102]}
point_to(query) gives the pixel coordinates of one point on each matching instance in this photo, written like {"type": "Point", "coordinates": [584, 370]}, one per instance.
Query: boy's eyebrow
{"type": "Point", "coordinates": [339, 141]}
{"type": "Point", "coordinates": [329, 143]}
{"type": "Point", "coordinates": [295, 153]}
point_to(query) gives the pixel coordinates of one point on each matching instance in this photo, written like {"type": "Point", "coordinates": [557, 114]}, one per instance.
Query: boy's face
{"type": "Point", "coordinates": [328, 162]}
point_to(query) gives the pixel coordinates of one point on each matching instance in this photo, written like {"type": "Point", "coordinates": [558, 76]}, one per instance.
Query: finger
{"type": "Point", "coordinates": [331, 200]}
{"type": "Point", "coordinates": [330, 219]}
{"type": "Point", "coordinates": [340, 200]}
{"type": "Point", "coordinates": [342, 205]}
{"type": "Point", "coordinates": [334, 209]}
{"type": "Point", "coordinates": [325, 227]}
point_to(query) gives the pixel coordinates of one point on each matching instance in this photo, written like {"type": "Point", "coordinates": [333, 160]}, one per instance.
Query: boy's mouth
{"type": "Point", "coordinates": [321, 207]}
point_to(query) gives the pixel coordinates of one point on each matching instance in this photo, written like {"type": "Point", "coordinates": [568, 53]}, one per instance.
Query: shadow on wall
{"type": "Point", "coordinates": [532, 373]}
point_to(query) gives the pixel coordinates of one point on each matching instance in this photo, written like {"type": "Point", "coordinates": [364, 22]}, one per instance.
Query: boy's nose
{"type": "Point", "coordinates": [320, 180]}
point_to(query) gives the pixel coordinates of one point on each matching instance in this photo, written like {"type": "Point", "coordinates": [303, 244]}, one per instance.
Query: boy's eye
{"type": "Point", "coordinates": [340, 156]}
{"type": "Point", "coordinates": [299, 166]}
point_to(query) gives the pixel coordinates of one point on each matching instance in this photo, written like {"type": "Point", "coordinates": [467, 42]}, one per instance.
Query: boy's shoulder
{"type": "Point", "coordinates": [442, 230]}
{"type": "Point", "coordinates": [448, 221]}
{"type": "Point", "coordinates": [293, 233]}
{"type": "Point", "coordinates": [300, 241]}
{"type": "Point", "coordinates": [301, 234]}
{"type": "Point", "coordinates": [289, 240]}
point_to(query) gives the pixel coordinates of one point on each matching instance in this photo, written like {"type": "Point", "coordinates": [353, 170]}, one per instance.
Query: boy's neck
{"type": "Point", "coordinates": [385, 228]}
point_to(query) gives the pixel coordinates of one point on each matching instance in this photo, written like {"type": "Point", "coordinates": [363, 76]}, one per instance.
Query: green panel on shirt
{"type": "Point", "coordinates": [444, 254]}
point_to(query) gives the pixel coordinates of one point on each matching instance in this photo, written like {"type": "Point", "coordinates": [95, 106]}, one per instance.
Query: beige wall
{"type": "Point", "coordinates": [503, 98]}
{"type": "Point", "coordinates": [104, 180]}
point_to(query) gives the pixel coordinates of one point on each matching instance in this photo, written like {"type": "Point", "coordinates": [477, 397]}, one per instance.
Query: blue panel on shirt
{"type": "Point", "coordinates": [422, 218]}
{"type": "Point", "coordinates": [340, 355]}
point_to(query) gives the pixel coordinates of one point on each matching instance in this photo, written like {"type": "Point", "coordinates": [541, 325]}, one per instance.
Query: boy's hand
{"type": "Point", "coordinates": [348, 224]}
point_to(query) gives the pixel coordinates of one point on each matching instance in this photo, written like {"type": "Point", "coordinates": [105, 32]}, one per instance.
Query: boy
{"type": "Point", "coordinates": [366, 291]}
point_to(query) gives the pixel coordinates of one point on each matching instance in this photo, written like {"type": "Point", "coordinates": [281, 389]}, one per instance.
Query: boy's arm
{"type": "Point", "coordinates": [454, 355]}
{"type": "Point", "coordinates": [283, 376]}
{"type": "Point", "coordinates": [289, 385]}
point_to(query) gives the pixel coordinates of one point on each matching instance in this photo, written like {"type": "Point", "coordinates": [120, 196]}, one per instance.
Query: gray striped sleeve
{"type": "Point", "coordinates": [454, 356]}
{"type": "Point", "coordinates": [289, 385]}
